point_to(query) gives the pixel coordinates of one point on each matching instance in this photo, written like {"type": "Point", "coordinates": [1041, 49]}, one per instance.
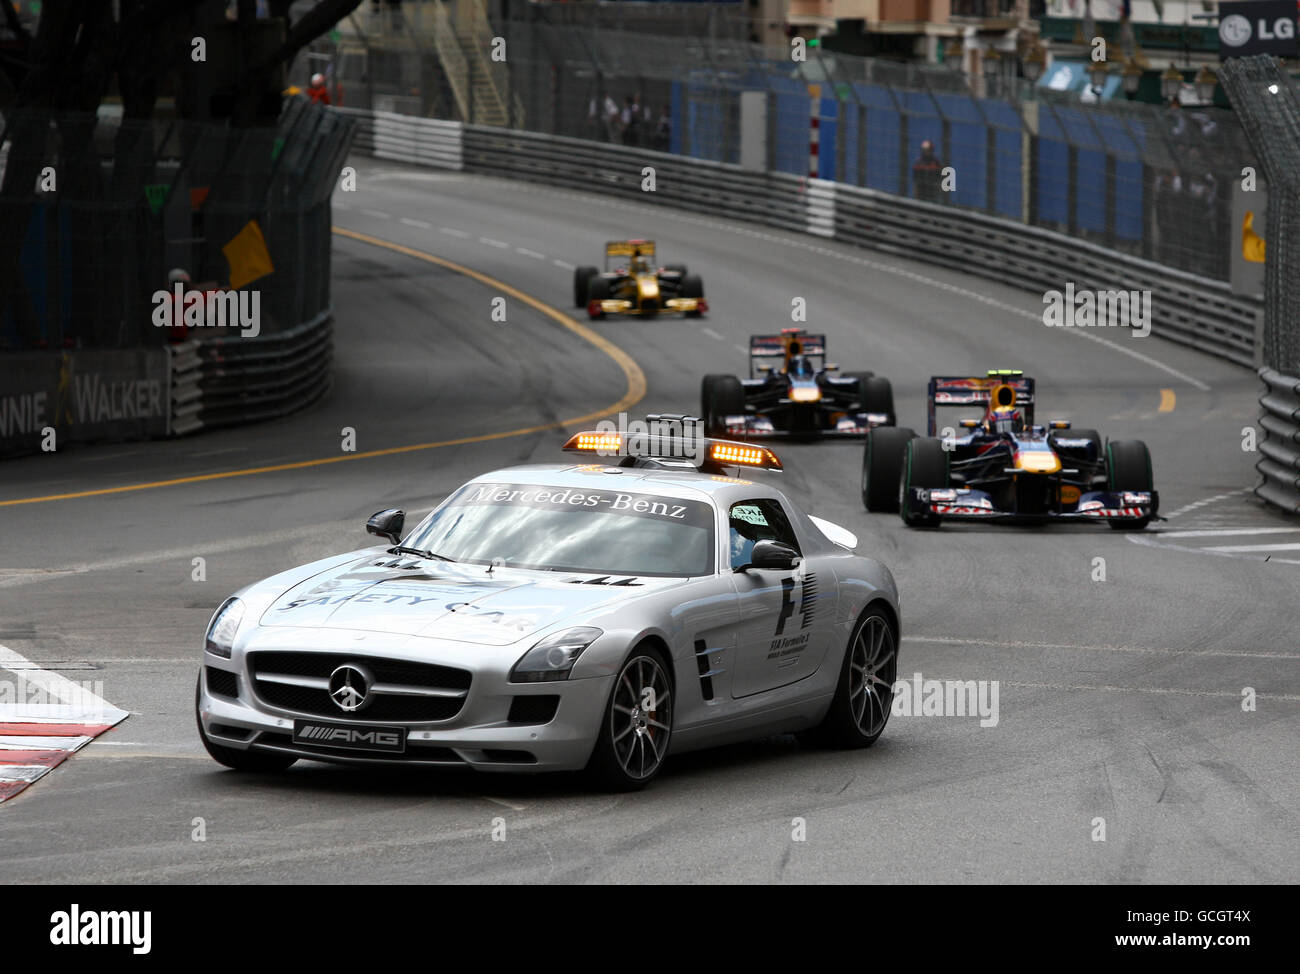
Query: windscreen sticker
{"type": "Point", "coordinates": [671, 509]}
{"type": "Point", "coordinates": [749, 513]}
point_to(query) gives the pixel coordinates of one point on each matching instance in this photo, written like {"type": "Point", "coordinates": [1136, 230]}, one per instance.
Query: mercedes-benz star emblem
{"type": "Point", "coordinates": [350, 687]}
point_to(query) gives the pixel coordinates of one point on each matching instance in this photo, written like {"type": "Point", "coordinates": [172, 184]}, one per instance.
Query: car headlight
{"type": "Point", "coordinates": [222, 628]}
{"type": "Point", "coordinates": [553, 657]}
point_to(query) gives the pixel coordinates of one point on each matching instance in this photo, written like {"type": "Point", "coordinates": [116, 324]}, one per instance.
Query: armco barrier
{"type": "Point", "coordinates": [1280, 445]}
{"type": "Point", "coordinates": [229, 380]}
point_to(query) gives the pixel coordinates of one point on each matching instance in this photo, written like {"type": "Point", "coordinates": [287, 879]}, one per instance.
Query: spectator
{"type": "Point", "coordinates": [663, 131]}
{"type": "Point", "coordinates": [927, 175]}
{"type": "Point", "coordinates": [317, 91]}
{"type": "Point", "coordinates": [176, 331]}
{"type": "Point", "coordinates": [611, 118]}
{"type": "Point", "coordinates": [631, 122]}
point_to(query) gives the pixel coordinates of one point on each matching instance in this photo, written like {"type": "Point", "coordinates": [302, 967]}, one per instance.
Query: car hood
{"type": "Point", "coordinates": [412, 597]}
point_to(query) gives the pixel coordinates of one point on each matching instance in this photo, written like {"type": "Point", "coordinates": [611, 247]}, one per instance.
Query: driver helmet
{"type": "Point", "coordinates": [1006, 421]}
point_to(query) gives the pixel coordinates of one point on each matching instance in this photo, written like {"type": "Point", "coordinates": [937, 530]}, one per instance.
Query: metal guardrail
{"type": "Point", "coordinates": [229, 380]}
{"type": "Point", "coordinates": [1280, 446]}
{"type": "Point", "coordinates": [407, 138]}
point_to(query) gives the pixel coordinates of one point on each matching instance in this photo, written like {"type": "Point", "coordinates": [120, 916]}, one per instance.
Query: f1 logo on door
{"type": "Point", "coordinates": [805, 604]}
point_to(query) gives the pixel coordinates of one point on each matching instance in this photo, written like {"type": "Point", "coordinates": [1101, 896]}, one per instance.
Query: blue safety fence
{"type": "Point", "coordinates": [1100, 171]}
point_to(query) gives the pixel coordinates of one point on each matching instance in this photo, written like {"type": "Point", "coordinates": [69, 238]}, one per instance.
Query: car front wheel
{"type": "Point", "coordinates": [637, 726]}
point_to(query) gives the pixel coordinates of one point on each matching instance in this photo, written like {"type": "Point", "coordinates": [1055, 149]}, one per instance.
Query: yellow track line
{"type": "Point", "coordinates": [1167, 400]}
{"type": "Point", "coordinates": [636, 389]}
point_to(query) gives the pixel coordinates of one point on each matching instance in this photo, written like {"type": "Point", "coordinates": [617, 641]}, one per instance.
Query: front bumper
{"type": "Point", "coordinates": [481, 736]}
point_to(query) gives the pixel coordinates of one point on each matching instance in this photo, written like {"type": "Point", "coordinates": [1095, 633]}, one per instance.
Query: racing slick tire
{"type": "Point", "coordinates": [692, 287]}
{"type": "Point", "coordinates": [634, 739]}
{"type": "Point", "coordinates": [882, 465]}
{"type": "Point", "coordinates": [581, 279]}
{"type": "Point", "coordinates": [877, 396]}
{"type": "Point", "coordinates": [864, 693]}
{"type": "Point", "coordinates": [925, 464]}
{"type": "Point", "coordinates": [250, 760]}
{"type": "Point", "coordinates": [598, 289]}
{"type": "Point", "coordinates": [1128, 467]}
{"type": "Point", "coordinates": [720, 396]}
{"type": "Point", "coordinates": [1098, 450]}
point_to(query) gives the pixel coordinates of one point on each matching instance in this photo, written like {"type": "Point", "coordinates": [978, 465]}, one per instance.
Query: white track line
{"type": "Point", "coordinates": [975, 641]}
{"type": "Point", "coordinates": [419, 224]}
{"type": "Point", "coordinates": [377, 214]}
{"type": "Point", "coordinates": [1226, 532]}
{"type": "Point", "coordinates": [453, 232]}
{"type": "Point", "coordinates": [1241, 548]}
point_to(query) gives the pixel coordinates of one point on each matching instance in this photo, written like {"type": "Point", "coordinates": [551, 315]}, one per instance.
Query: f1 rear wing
{"type": "Point", "coordinates": [947, 390]}
{"type": "Point", "coordinates": [774, 346]}
{"type": "Point", "coordinates": [627, 248]}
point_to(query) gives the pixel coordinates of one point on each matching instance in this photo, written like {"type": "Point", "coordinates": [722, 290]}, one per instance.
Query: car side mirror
{"type": "Point", "coordinates": [387, 524]}
{"type": "Point", "coordinates": [772, 555]}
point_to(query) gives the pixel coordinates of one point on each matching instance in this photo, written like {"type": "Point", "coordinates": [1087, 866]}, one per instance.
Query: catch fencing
{"type": "Point", "coordinates": [1267, 102]}
{"type": "Point", "coordinates": [1146, 180]}
{"type": "Point", "coordinates": [94, 226]}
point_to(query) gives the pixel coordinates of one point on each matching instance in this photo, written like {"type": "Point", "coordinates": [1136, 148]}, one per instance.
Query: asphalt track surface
{"type": "Point", "coordinates": [1119, 699]}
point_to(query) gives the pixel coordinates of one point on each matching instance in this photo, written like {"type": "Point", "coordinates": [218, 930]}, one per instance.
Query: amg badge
{"type": "Point", "coordinates": [390, 739]}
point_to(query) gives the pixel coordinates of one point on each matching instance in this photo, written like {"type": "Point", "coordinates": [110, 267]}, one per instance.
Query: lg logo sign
{"type": "Point", "coordinates": [1235, 30]}
{"type": "Point", "coordinates": [1257, 27]}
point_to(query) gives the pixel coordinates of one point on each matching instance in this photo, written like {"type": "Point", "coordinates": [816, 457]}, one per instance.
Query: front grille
{"type": "Point", "coordinates": [535, 709]}
{"type": "Point", "coordinates": [222, 682]}
{"type": "Point", "coordinates": [382, 707]}
{"type": "Point", "coordinates": [442, 755]}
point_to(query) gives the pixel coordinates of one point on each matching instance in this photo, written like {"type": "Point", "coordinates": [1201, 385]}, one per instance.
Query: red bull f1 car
{"type": "Point", "coordinates": [631, 284]}
{"type": "Point", "coordinates": [1000, 465]}
{"type": "Point", "coordinates": [793, 392]}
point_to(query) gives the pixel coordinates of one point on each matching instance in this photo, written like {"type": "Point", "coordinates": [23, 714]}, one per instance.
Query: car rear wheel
{"type": "Point", "coordinates": [720, 396]}
{"type": "Point", "coordinates": [581, 278]}
{"type": "Point", "coordinates": [925, 464]}
{"type": "Point", "coordinates": [598, 289]}
{"type": "Point", "coordinates": [638, 724]}
{"type": "Point", "coordinates": [865, 691]}
{"type": "Point", "coordinates": [1128, 467]}
{"type": "Point", "coordinates": [255, 761]}
{"type": "Point", "coordinates": [882, 465]}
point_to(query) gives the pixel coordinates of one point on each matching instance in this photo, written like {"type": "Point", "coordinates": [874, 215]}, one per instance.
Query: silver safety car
{"type": "Point", "coordinates": [655, 595]}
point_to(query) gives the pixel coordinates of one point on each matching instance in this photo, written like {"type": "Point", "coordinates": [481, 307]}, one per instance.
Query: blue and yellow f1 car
{"type": "Point", "coordinates": [999, 464]}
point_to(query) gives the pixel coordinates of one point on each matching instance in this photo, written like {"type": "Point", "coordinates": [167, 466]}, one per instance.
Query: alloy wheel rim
{"type": "Point", "coordinates": [872, 666]}
{"type": "Point", "coordinates": [641, 717]}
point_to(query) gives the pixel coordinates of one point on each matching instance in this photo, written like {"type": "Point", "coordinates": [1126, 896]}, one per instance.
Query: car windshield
{"type": "Point", "coordinates": [570, 529]}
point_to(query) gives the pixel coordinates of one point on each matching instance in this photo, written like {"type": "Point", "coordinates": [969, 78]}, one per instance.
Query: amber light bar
{"type": "Point", "coordinates": [748, 456]}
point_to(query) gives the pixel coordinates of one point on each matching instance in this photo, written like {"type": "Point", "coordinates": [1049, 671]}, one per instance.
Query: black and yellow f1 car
{"type": "Point", "coordinates": [631, 284]}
